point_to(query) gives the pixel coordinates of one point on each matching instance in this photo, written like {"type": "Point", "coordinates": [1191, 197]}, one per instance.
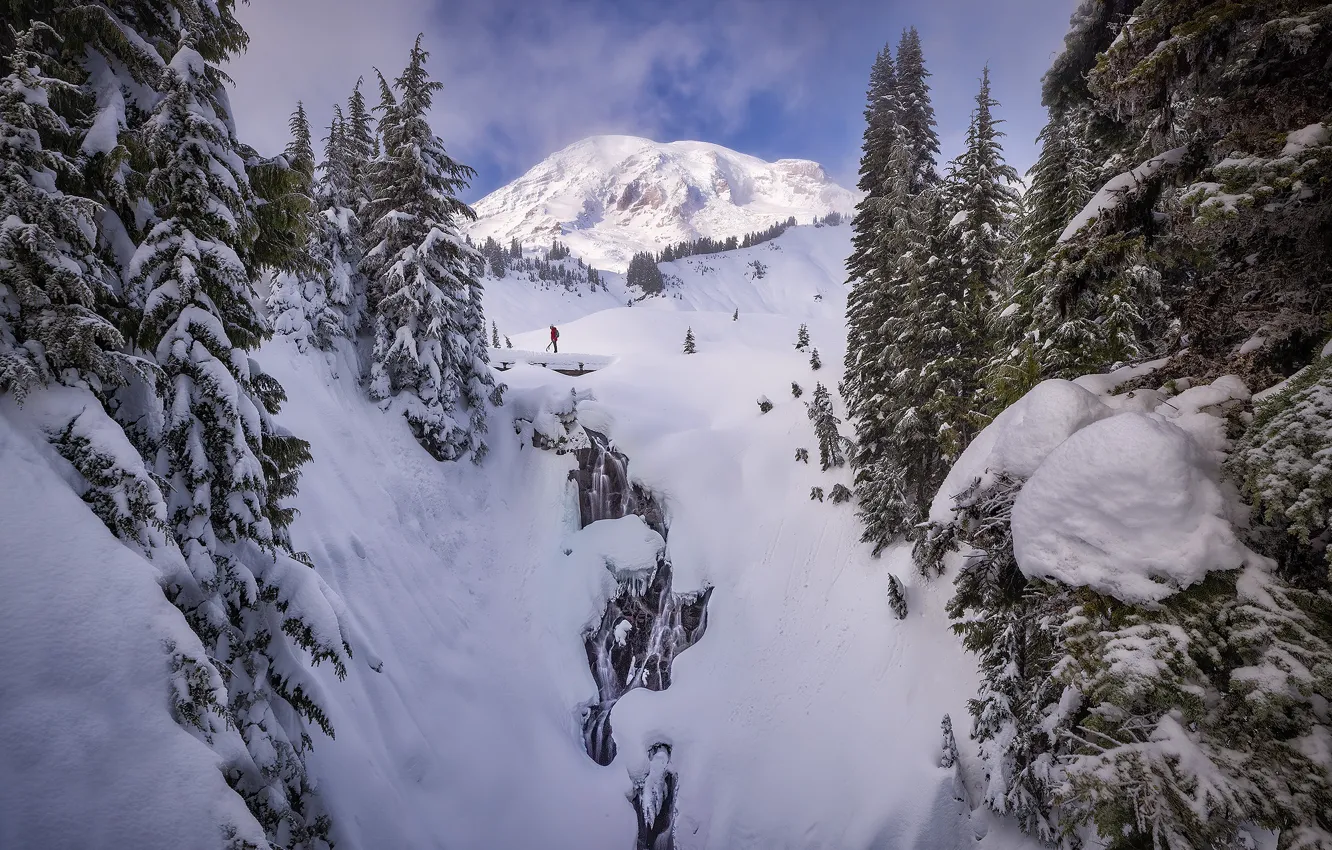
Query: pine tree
{"type": "Point", "coordinates": [915, 112]}
{"type": "Point", "coordinates": [796, 390]}
{"type": "Point", "coordinates": [896, 458]}
{"type": "Point", "coordinates": [643, 274]}
{"type": "Point", "coordinates": [52, 281]}
{"type": "Point", "coordinates": [1190, 732]}
{"type": "Point", "coordinates": [881, 124]}
{"type": "Point", "coordinates": [825, 429]}
{"type": "Point", "coordinates": [227, 463]}
{"type": "Point", "coordinates": [1282, 463]}
{"type": "Point", "coordinates": [494, 335]}
{"type": "Point", "coordinates": [814, 362]}
{"type": "Point", "coordinates": [948, 751]}
{"type": "Point", "coordinates": [305, 301]}
{"type": "Point", "coordinates": [430, 360]}
{"type": "Point", "coordinates": [984, 206]}
{"type": "Point", "coordinates": [802, 455]}
{"type": "Point", "coordinates": [508, 343]}
{"type": "Point", "coordinates": [689, 341]}
{"type": "Point", "coordinates": [897, 602]}
{"type": "Point", "coordinates": [802, 338]}
{"type": "Point", "coordinates": [735, 317]}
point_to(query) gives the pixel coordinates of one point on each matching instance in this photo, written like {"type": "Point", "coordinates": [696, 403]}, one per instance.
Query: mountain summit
{"type": "Point", "coordinates": [607, 197]}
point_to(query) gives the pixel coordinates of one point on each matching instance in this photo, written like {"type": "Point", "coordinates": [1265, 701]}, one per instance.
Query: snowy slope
{"type": "Point", "coordinates": [90, 756]}
{"type": "Point", "coordinates": [804, 279]}
{"type": "Point", "coordinates": [607, 197]}
{"type": "Point", "coordinates": [805, 717]}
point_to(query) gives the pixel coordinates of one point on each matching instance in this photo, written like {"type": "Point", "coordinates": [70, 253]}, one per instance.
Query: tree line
{"type": "Point", "coordinates": [1179, 210]}
{"type": "Point", "coordinates": [135, 229]}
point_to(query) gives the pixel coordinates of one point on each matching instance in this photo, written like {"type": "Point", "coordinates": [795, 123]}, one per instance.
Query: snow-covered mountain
{"type": "Point", "coordinates": [607, 197]}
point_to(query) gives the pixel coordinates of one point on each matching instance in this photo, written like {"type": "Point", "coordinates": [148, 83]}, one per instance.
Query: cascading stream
{"type": "Point", "coordinates": [645, 625]}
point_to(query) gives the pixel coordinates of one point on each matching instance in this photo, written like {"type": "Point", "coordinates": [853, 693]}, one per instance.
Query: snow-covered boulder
{"type": "Point", "coordinates": [1020, 438]}
{"type": "Point", "coordinates": [548, 419]}
{"type": "Point", "coordinates": [628, 547]}
{"type": "Point", "coordinates": [1129, 506]}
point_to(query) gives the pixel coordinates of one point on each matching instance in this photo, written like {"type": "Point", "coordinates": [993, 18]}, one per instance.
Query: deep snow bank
{"type": "Point", "coordinates": [1119, 493]}
{"type": "Point", "coordinates": [90, 756]}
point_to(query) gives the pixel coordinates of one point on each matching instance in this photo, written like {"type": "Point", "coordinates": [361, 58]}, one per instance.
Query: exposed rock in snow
{"type": "Point", "coordinates": [607, 197]}
{"type": "Point", "coordinates": [1129, 506]}
{"type": "Point", "coordinates": [548, 419]}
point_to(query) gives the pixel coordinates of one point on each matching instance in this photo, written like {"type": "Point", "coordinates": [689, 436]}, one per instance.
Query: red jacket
{"type": "Point", "coordinates": [554, 334]}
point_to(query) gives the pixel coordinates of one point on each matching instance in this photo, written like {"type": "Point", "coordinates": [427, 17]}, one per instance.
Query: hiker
{"type": "Point", "coordinates": [554, 339]}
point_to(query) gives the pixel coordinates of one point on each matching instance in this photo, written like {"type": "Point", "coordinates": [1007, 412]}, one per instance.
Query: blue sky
{"type": "Point", "coordinates": [774, 78]}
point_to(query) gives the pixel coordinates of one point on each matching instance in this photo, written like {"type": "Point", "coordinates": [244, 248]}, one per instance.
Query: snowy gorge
{"type": "Point", "coordinates": [938, 518]}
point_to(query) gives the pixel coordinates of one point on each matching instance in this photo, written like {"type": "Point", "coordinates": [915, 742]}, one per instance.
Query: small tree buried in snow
{"type": "Point", "coordinates": [802, 455]}
{"type": "Point", "coordinates": [764, 404]}
{"type": "Point", "coordinates": [508, 343]}
{"type": "Point", "coordinates": [897, 599]}
{"type": "Point", "coordinates": [816, 493]}
{"type": "Point", "coordinates": [796, 390]}
{"type": "Point", "coordinates": [802, 338]}
{"type": "Point", "coordinates": [948, 755]}
{"type": "Point", "coordinates": [735, 317]}
{"type": "Point", "coordinates": [814, 361]}
{"type": "Point", "coordinates": [689, 347]}
{"type": "Point", "coordinates": [840, 494]}
{"type": "Point", "coordinates": [825, 428]}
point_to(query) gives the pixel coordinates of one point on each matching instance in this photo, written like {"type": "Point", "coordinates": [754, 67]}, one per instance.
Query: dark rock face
{"type": "Point", "coordinates": [641, 632]}
{"type": "Point", "coordinates": [645, 625]}
{"type": "Point", "coordinates": [604, 488]}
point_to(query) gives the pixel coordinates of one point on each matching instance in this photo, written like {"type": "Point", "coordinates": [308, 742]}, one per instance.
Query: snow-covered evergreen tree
{"type": "Point", "coordinates": [802, 337]}
{"type": "Point", "coordinates": [1015, 627]}
{"type": "Point", "coordinates": [825, 423]}
{"type": "Point", "coordinates": [948, 747]}
{"type": "Point", "coordinates": [984, 204]}
{"type": "Point", "coordinates": [1284, 463]}
{"type": "Point", "coordinates": [430, 360]}
{"type": "Point", "coordinates": [881, 119]}
{"type": "Point", "coordinates": [52, 281]}
{"type": "Point", "coordinates": [309, 300]}
{"type": "Point", "coordinates": [897, 602]}
{"type": "Point", "coordinates": [814, 362]}
{"type": "Point", "coordinates": [227, 463]}
{"type": "Point", "coordinates": [916, 124]}
{"type": "Point", "coordinates": [689, 347]}
{"type": "Point", "coordinates": [796, 390]}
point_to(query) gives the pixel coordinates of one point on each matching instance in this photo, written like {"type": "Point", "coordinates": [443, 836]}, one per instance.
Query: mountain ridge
{"type": "Point", "coordinates": [610, 196]}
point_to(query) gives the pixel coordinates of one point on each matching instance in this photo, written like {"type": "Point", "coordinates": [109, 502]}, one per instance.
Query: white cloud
{"type": "Point", "coordinates": [520, 83]}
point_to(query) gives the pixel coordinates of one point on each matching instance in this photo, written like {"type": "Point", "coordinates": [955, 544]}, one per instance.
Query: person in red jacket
{"type": "Point", "coordinates": [554, 339]}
